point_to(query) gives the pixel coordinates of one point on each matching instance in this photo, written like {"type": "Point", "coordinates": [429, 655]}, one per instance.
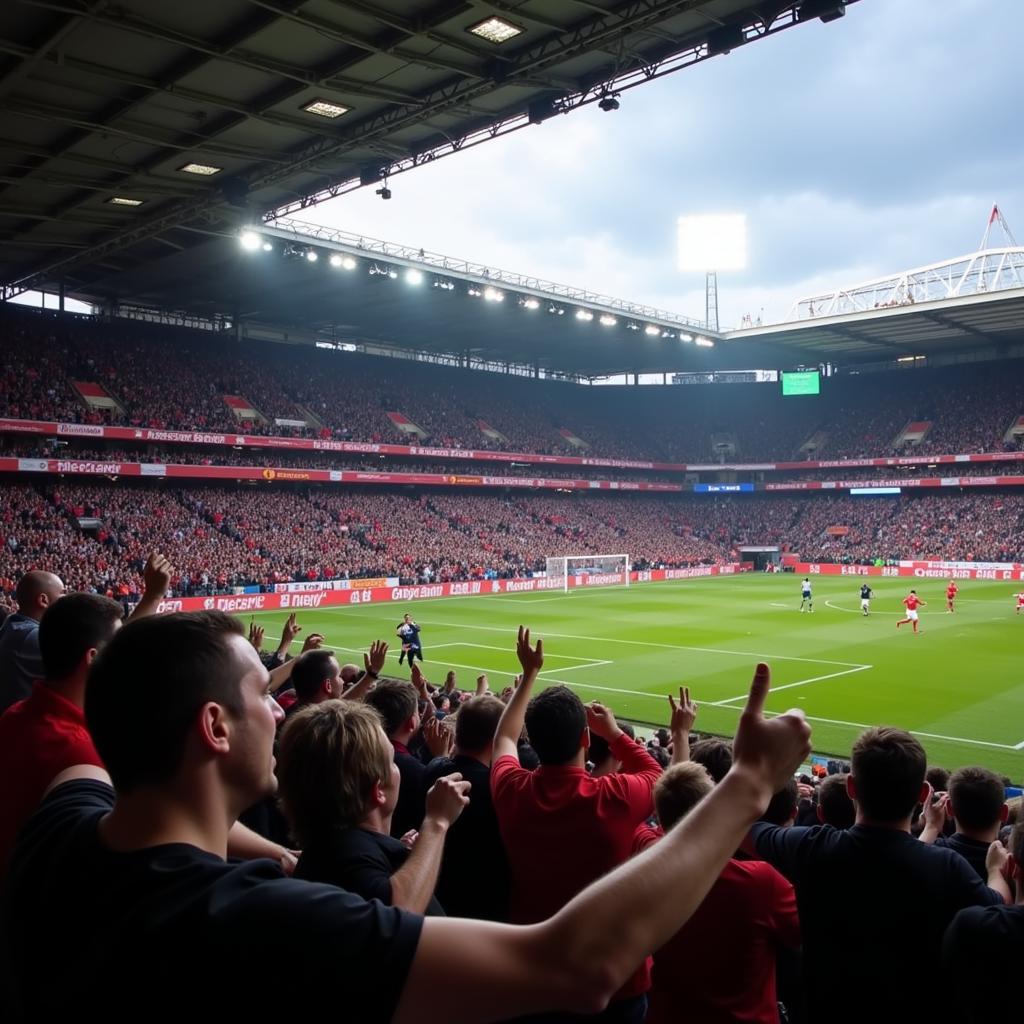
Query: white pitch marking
{"type": "Point", "coordinates": [647, 643]}
{"type": "Point", "coordinates": [801, 682]}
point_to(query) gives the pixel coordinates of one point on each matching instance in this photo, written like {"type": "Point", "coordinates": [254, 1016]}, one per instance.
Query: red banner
{"type": "Point", "coordinates": [929, 481]}
{"type": "Point", "coordinates": [150, 435]}
{"type": "Point", "coordinates": [244, 603]}
{"type": "Point", "coordinates": [916, 570]}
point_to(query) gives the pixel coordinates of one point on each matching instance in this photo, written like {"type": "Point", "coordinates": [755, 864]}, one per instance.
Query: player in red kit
{"type": "Point", "coordinates": [911, 602]}
{"type": "Point", "coordinates": [1020, 602]}
{"type": "Point", "coordinates": [951, 592]}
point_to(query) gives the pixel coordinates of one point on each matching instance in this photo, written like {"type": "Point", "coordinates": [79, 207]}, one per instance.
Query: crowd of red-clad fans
{"type": "Point", "coordinates": [176, 379]}
{"type": "Point", "coordinates": [96, 535]}
{"type": "Point", "coordinates": [179, 795]}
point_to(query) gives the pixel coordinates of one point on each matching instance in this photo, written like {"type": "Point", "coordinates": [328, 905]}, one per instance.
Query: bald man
{"type": "Point", "coordinates": [20, 661]}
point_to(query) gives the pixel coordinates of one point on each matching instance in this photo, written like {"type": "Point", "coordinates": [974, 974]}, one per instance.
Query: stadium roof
{"type": "Point", "coordinates": [987, 324]}
{"type": "Point", "coordinates": [110, 113]}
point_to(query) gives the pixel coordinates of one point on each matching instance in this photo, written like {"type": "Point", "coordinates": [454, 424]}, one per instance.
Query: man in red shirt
{"type": "Point", "coordinates": [911, 602]}
{"type": "Point", "coordinates": [951, 592]}
{"type": "Point", "coordinates": [720, 966]}
{"type": "Point", "coordinates": [563, 828]}
{"type": "Point", "coordinates": [46, 733]}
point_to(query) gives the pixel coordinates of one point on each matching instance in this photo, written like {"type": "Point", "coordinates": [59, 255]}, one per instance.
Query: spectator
{"type": "Point", "coordinates": [562, 828]}
{"type": "Point", "coordinates": [137, 878]}
{"type": "Point", "coordinates": [20, 661]}
{"type": "Point", "coordinates": [835, 807]}
{"type": "Point", "coordinates": [339, 786]}
{"type": "Point", "coordinates": [474, 880]}
{"type": "Point", "coordinates": [977, 803]}
{"type": "Point", "coordinates": [720, 966]}
{"type": "Point", "coordinates": [896, 897]}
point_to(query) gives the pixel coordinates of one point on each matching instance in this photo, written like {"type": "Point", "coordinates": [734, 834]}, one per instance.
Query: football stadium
{"type": "Point", "coordinates": [246, 441]}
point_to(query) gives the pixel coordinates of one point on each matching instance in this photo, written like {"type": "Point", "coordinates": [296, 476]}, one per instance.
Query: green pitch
{"type": "Point", "coordinates": [959, 686]}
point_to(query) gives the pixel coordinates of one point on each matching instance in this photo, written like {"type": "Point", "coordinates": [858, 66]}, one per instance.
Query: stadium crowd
{"type": "Point", "coordinates": [467, 856]}
{"type": "Point", "coordinates": [171, 378]}
{"type": "Point", "coordinates": [96, 535]}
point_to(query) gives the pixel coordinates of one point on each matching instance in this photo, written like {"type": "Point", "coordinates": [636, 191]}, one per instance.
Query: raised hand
{"type": "Point", "coordinates": [482, 686]}
{"type": "Point", "coordinates": [769, 750]}
{"type": "Point", "coordinates": [683, 714]}
{"type": "Point", "coordinates": [156, 575]}
{"type": "Point", "coordinates": [447, 797]}
{"type": "Point", "coordinates": [438, 737]}
{"type": "Point", "coordinates": [290, 630]}
{"type": "Point", "coordinates": [373, 660]}
{"type": "Point", "coordinates": [531, 658]}
{"type": "Point", "coordinates": [256, 636]}
{"type": "Point", "coordinates": [935, 810]}
{"type": "Point", "coordinates": [601, 722]}
{"type": "Point", "coordinates": [312, 642]}
{"type": "Point", "coordinates": [419, 680]}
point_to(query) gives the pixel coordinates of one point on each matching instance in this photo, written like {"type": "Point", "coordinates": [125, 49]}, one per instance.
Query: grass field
{"type": "Point", "coordinates": [959, 686]}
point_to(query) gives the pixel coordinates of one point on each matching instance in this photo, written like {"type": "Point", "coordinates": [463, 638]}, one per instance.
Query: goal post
{"type": "Point", "coordinates": [589, 570]}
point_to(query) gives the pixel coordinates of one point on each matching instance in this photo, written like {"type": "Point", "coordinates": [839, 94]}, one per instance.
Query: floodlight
{"type": "Point", "coordinates": [475, 292]}
{"type": "Point", "coordinates": [268, 247]}
{"type": "Point", "coordinates": [384, 192]}
{"type": "Point", "coordinates": [348, 263]}
{"type": "Point", "coordinates": [709, 242]}
{"type": "Point", "coordinates": [393, 274]}
{"type": "Point", "coordinates": [556, 310]}
{"type": "Point", "coordinates": [584, 314]}
{"type": "Point", "coordinates": [311, 255]}
{"type": "Point", "coordinates": [323, 108]}
{"type": "Point", "coordinates": [335, 259]}
{"type": "Point", "coordinates": [125, 201]}
{"type": "Point", "coordinates": [686, 337]}
{"type": "Point", "coordinates": [609, 101]}
{"type": "Point", "coordinates": [495, 30]}
{"type": "Point", "coordinates": [530, 304]}
{"type": "Point", "coordinates": [493, 295]}
{"type": "Point", "coordinates": [607, 320]}
{"type": "Point", "coordinates": [652, 331]}
{"type": "Point", "coordinates": [704, 343]}
{"type": "Point", "coordinates": [249, 241]}
{"type": "Point", "coordinates": [414, 276]}
{"type": "Point", "coordinates": [202, 169]}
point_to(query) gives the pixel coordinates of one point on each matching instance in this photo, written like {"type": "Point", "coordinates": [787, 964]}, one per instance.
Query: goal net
{"type": "Point", "coordinates": [589, 570]}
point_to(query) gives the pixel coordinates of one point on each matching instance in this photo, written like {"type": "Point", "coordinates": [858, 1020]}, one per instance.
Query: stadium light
{"type": "Point", "coordinates": [529, 303]}
{"type": "Point", "coordinates": [556, 310]}
{"type": "Point", "coordinates": [607, 320]}
{"type": "Point", "coordinates": [704, 343]}
{"type": "Point", "coordinates": [268, 247]}
{"type": "Point", "coordinates": [335, 259]}
{"type": "Point", "coordinates": [475, 292]}
{"type": "Point", "coordinates": [686, 337]}
{"type": "Point", "coordinates": [651, 331]}
{"type": "Point", "coordinates": [711, 242]}
{"type": "Point", "coordinates": [414, 276]}
{"type": "Point", "coordinates": [584, 314]}
{"type": "Point", "coordinates": [493, 295]}
{"type": "Point", "coordinates": [444, 284]}
{"type": "Point", "coordinates": [311, 255]}
{"type": "Point", "coordinates": [249, 241]}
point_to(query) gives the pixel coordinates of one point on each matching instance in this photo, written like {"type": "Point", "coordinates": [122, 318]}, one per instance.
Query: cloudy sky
{"type": "Point", "coordinates": [867, 146]}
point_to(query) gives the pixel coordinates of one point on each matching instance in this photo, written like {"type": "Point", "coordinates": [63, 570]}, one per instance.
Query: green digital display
{"type": "Point", "coordinates": [801, 382]}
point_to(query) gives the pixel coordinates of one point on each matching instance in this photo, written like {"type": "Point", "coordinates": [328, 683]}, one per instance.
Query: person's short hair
{"type": "Point", "coordinates": [395, 700]}
{"type": "Point", "coordinates": [664, 737]}
{"type": "Point", "coordinates": [782, 805]}
{"type": "Point", "coordinates": [888, 767]}
{"type": "Point", "coordinates": [146, 686]}
{"type": "Point", "coordinates": [555, 720]}
{"type": "Point", "coordinates": [836, 806]}
{"type": "Point", "coordinates": [977, 797]}
{"type": "Point", "coordinates": [73, 626]}
{"type": "Point", "coordinates": [330, 756]}
{"type": "Point", "coordinates": [715, 754]}
{"type": "Point", "coordinates": [937, 778]}
{"type": "Point", "coordinates": [680, 788]}
{"type": "Point", "coordinates": [1016, 844]}
{"type": "Point", "coordinates": [477, 722]}
{"type": "Point", "coordinates": [311, 668]}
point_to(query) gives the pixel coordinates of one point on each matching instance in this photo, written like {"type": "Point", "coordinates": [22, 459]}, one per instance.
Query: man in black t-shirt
{"type": "Point", "coordinates": [150, 917]}
{"type": "Point", "coordinates": [886, 895]}
{"type": "Point", "coordinates": [474, 879]}
{"type": "Point", "coordinates": [344, 830]}
{"type": "Point", "coordinates": [865, 599]}
{"type": "Point", "coordinates": [977, 803]}
{"type": "Point", "coordinates": [984, 949]}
